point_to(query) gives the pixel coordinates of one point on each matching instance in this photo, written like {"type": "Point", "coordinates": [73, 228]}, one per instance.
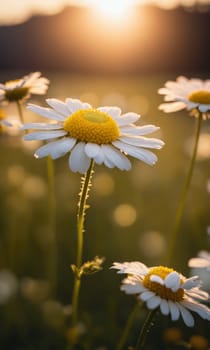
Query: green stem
{"type": "Point", "coordinates": [83, 196]}
{"type": "Point", "coordinates": [20, 111]}
{"type": "Point", "coordinates": [52, 263]}
{"type": "Point", "coordinates": [181, 205]}
{"type": "Point", "coordinates": [145, 330]}
{"type": "Point", "coordinates": [127, 329]}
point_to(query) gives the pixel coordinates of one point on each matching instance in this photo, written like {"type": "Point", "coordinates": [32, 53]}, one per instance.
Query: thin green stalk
{"type": "Point", "coordinates": [83, 196]}
{"type": "Point", "coordinates": [131, 319]}
{"type": "Point", "coordinates": [182, 201]}
{"type": "Point", "coordinates": [145, 330]}
{"type": "Point", "coordinates": [53, 255]}
{"type": "Point", "coordinates": [20, 111]}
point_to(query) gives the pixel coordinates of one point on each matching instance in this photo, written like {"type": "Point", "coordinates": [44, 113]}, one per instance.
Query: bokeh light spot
{"type": "Point", "coordinates": [152, 244]}
{"type": "Point", "coordinates": [103, 184]}
{"type": "Point", "coordinates": [125, 215]}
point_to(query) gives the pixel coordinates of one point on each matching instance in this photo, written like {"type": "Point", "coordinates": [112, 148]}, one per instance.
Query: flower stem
{"type": "Point", "coordinates": [20, 111]}
{"type": "Point", "coordinates": [52, 263]}
{"type": "Point", "coordinates": [145, 330]}
{"type": "Point", "coordinates": [127, 329]}
{"type": "Point", "coordinates": [83, 196]}
{"type": "Point", "coordinates": [181, 205]}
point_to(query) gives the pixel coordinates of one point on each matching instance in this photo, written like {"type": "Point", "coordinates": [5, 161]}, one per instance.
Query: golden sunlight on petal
{"type": "Point", "coordinates": [125, 215]}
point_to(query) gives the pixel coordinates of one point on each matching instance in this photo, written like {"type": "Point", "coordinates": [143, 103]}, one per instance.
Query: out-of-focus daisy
{"type": "Point", "coordinates": [20, 89]}
{"type": "Point", "coordinates": [103, 135]}
{"type": "Point", "coordinates": [202, 261]}
{"type": "Point", "coordinates": [186, 94]}
{"type": "Point", "coordinates": [164, 288]}
{"type": "Point", "coordinates": [8, 286]}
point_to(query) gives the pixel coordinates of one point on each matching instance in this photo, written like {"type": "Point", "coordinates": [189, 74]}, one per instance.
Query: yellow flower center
{"type": "Point", "coordinates": [159, 289]}
{"type": "Point", "coordinates": [200, 96]}
{"type": "Point", "coordinates": [16, 94]}
{"type": "Point", "coordinates": [92, 125]}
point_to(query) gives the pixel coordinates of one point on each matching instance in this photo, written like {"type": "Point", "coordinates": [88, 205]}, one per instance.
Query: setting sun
{"type": "Point", "coordinates": [113, 10]}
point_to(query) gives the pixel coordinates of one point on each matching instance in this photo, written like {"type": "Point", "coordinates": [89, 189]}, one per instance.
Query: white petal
{"type": "Point", "coordinates": [131, 289]}
{"type": "Point", "coordinates": [198, 262]}
{"type": "Point", "coordinates": [56, 149]}
{"type": "Point", "coordinates": [127, 119]}
{"type": "Point", "coordinates": [112, 111]}
{"type": "Point", "coordinates": [107, 161]}
{"type": "Point", "coordinates": [31, 78]}
{"type": "Point", "coordinates": [153, 302]}
{"type": "Point", "coordinates": [139, 130]}
{"type": "Point", "coordinates": [164, 91]}
{"type": "Point", "coordinates": [172, 281]}
{"type": "Point", "coordinates": [5, 122]}
{"type": "Point", "coordinates": [133, 267]}
{"type": "Point", "coordinates": [99, 157]}
{"type": "Point", "coordinates": [92, 149]}
{"type": "Point", "coordinates": [157, 279]}
{"type": "Point", "coordinates": [164, 308]}
{"type": "Point", "coordinates": [172, 107]}
{"type": "Point", "coordinates": [58, 106]}
{"type": "Point", "coordinates": [44, 135]}
{"type": "Point", "coordinates": [191, 282]}
{"type": "Point", "coordinates": [42, 126]}
{"type": "Point", "coordinates": [2, 86]}
{"type": "Point", "coordinates": [174, 310]}
{"type": "Point", "coordinates": [139, 153]}
{"type": "Point", "coordinates": [186, 315]}
{"type": "Point", "coordinates": [75, 105]}
{"type": "Point", "coordinates": [142, 141]}
{"type": "Point", "coordinates": [116, 157]}
{"type": "Point", "coordinates": [45, 112]}
{"type": "Point", "coordinates": [145, 296]}
{"type": "Point", "coordinates": [202, 310]}
{"type": "Point", "coordinates": [204, 254]}
{"type": "Point", "coordinates": [204, 108]}
{"type": "Point", "coordinates": [197, 293]}
{"type": "Point", "coordinates": [78, 160]}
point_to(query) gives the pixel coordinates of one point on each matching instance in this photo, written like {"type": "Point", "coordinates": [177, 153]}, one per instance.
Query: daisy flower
{"type": "Point", "coordinates": [103, 135]}
{"type": "Point", "coordinates": [202, 261]}
{"type": "Point", "coordinates": [186, 94]}
{"type": "Point", "coordinates": [17, 90]}
{"type": "Point", "coordinates": [164, 288]}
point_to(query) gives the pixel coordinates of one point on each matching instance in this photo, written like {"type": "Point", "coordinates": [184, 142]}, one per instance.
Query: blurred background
{"type": "Point", "coordinates": [115, 52]}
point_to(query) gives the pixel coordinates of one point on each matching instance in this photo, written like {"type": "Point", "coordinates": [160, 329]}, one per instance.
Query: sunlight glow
{"type": "Point", "coordinates": [115, 10]}
{"type": "Point", "coordinates": [13, 11]}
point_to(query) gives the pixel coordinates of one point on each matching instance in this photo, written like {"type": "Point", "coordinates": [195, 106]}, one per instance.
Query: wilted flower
{"type": "Point", "coordinates": [163, 287]}
{"type": "Point", "coordinates": [186, 94]}
{"type": "Point", "coordinates": [101, 134]}
{"type": "Point", "coordinates": [20, 89]}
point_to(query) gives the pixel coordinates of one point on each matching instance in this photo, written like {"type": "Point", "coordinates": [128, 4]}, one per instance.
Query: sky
{"type": "Point", "coordinates": [14, 11]}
